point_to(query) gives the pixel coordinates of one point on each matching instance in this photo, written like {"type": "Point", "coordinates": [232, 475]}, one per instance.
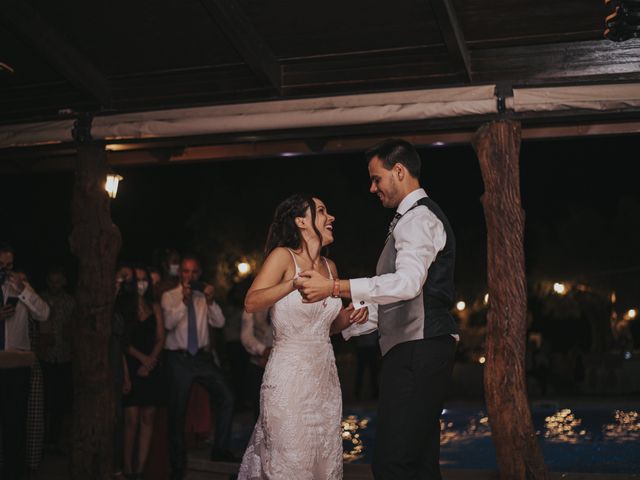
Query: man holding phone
{"type": "Point", "coordinates": [189, 310]}
{"type": "Point", "coordinates": [18, 302]}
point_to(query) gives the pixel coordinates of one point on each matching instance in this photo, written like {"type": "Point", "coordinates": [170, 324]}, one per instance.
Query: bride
{"type": "Point", "coordinates": [297, 435]}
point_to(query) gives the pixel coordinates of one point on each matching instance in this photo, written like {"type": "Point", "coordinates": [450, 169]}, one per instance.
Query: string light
{"type": "Point", "coordinates": [559, 288]}
{"type": "Point", "coordinates": [244, 268]}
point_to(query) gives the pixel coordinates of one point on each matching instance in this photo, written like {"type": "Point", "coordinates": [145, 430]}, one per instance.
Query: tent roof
{"type": "Point", "coordinates": [111, 58]}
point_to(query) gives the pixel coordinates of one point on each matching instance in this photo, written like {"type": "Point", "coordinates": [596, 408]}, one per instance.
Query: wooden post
{"type": "Point", "coordinates": [519, 456]}
{"type": "Point", "coordinates": [95, 241]}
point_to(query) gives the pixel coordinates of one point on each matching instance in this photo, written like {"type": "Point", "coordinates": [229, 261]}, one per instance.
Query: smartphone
{"type": "Point", "coordinates": [13, 301]}
{"type": "Point", "coordinates": [197, 286]}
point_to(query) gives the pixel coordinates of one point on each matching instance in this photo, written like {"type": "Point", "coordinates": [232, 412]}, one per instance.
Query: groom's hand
{"type": "Point", "coordinates": [313, 286]}
{"type": "Point", "coordinates": [358, 316]}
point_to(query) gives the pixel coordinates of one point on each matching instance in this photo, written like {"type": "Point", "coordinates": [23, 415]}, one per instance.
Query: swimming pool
{"type": "Point", "coordinates": [574, 438]}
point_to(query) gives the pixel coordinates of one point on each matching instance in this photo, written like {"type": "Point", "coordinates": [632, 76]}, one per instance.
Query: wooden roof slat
{"type": "Point", "coordinates": [453, 37]}
{"type": "Point", "coordinates": [246, 40]}
{"type": "Point", "coordinates": [577, 61]}
{"type": "Point", "coordinates": [164, 55]}
{"type": "Point", "coordinates": [68, 61]}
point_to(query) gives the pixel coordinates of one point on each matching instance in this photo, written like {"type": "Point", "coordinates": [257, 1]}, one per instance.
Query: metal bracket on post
{"type": "Point", "coordinates": [81, 131]}
{"type": "Point", "coordinates": [503, 91]}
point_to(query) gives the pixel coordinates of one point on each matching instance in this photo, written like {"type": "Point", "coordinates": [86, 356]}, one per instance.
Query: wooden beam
{"type": "Point", "coordinates": [447, 19]}
{"type": "Point", "coordinates": [246, 40]}
{"type": "Point", "coordinates": [63, 57]}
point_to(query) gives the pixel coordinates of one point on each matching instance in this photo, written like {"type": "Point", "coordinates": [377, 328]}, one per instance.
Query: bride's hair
{"type": "Point", "coordinates": [283, 231]}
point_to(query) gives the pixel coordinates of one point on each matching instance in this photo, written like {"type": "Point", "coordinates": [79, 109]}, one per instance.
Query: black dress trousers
{"type": "Point", "coordinates": [414, 381]}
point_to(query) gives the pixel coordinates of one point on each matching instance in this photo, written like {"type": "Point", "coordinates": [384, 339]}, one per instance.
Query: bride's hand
{"type": "Point", "coordinates": [359, 316]}
{"type": "Point", "coordinates": [314, 286]}
{"type": "Point", "coordinates": [297, 282]}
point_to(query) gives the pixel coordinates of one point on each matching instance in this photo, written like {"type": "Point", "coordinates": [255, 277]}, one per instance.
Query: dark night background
{"type": "Point", "coordinates": [580, 196]}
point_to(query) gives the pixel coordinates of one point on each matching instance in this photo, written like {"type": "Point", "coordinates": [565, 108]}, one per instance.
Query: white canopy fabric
{"type": "Point", "coordinates": [587, 97]}
{"type": "Point", "coordinates": [326, 111]}
{"type": "Point", "coordinates": [261, 116]}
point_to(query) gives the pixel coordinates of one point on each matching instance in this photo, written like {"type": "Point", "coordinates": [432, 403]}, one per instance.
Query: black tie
{"type": "Point", "coordinates": [392, 225]}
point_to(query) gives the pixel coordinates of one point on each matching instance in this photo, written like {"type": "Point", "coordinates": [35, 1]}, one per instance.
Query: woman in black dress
{"type": "Point", "coordinates": [145, 344]}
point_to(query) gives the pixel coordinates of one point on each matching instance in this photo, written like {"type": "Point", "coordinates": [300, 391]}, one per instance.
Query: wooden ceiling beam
{"type": "Point", "coordinates": [447, 20]}
{"type": "Point", "coordinates": [245, 39]}
{"type": "Point", "coordinates": [29, 25]}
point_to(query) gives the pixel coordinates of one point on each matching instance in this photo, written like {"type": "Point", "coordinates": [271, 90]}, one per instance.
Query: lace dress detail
{"type": "Point", "coordinates": [297, 435]}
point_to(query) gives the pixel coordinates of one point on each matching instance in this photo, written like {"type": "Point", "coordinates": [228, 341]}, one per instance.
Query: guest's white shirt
{"type": "Point", "coordinates": [419, 236]}
{"type": "Point", "coordinates": [16, 333]}
{"type": "Point", "coordinates": [256, 334]}
{"type": "Point", "coordinates": [176, 318]}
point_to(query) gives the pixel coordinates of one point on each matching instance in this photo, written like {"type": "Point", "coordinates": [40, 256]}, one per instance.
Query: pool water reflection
{"type": "Point", "coordinates": [595, 439]}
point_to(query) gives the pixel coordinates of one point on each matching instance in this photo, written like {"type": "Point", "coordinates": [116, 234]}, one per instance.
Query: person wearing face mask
{"type": "Point", "coordinates": [143, 375]}
{"type": "Point", "coordinates": [125, 311]}
{"type": "Point", "coordinates": [18, 303]}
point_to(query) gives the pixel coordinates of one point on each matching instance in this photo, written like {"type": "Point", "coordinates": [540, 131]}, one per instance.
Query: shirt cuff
{"type": "Point", "coordinates": [357, 330]}
{"type": "Point", "coordinates": [359, 292]}
{"type": "Point", "coordinates": [27, 295]}
{"type": "Point", "coordinates": [369, 326]}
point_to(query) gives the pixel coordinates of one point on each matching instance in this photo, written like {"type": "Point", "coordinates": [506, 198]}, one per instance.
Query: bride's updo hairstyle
{"type": "Point", "coordinates": [283, 231]}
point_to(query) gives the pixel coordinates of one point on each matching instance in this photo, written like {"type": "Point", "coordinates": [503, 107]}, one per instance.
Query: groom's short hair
{"type": "Point", "coordinates": [395, 150]}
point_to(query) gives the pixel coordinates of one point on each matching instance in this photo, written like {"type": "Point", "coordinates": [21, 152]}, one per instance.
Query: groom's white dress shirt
{"type": "Point", "coordinates": [415, 256]}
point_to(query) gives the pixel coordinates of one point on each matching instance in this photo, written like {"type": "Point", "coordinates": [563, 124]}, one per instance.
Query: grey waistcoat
{"type": "Point", "coordinates": [427, 315]}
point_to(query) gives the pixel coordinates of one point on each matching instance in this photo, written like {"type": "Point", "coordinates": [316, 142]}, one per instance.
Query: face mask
{"type": "Point", "coordinates": [174, 269]}
{"type": "Point", "coordinates": [142, 287]}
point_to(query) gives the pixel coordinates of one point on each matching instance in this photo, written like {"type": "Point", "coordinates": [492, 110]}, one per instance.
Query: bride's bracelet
{"type": "Point", "coordinates": [336, 288]}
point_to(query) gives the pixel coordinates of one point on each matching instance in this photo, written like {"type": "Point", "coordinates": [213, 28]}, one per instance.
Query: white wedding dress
{"type": "Point", "coordinates": [297, 435]}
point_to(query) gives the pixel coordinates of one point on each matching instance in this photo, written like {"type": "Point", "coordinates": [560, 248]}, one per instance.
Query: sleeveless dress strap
{"type": "Point", "coordinates": [326, 262]}
{"type": "Point", "coordinates": [294, 262]}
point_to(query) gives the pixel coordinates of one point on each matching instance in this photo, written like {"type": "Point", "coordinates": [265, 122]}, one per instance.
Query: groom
{"type": "Point", "coordinates": [414, 293]}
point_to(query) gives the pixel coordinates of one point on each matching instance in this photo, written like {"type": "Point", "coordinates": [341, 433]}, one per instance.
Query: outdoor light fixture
{"type": "Point", "coordinates": [461, 306]}
{"type": "Point", "coordinates": [112, 184]}
{"type": "Point", "coordinates": [633, 313]}
{"type": "Point", "coordinates": [244, 268]}
{"type": "Point", "coordinates": [486, 298]}
{"type": "Point", "coordinates": [559, 288]}
{"type": "Point", "coordinates": [482, 360]}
